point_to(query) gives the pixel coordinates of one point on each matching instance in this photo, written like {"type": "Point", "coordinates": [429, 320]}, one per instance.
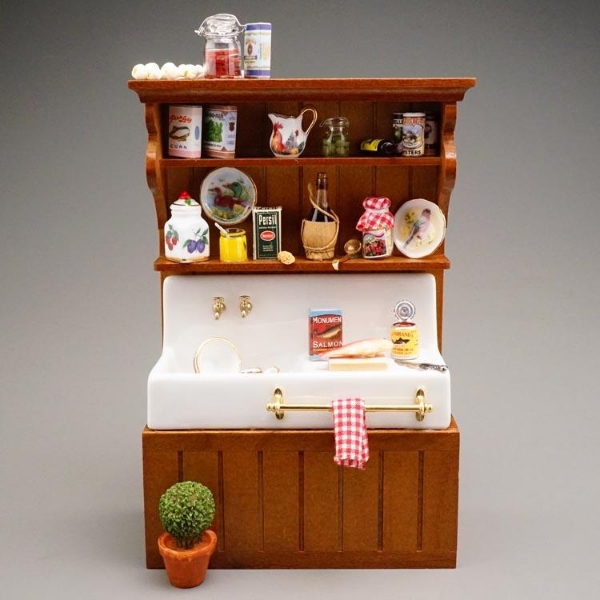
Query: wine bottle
{"type": "Point", "coordinates": [321, 201]}
{"type": "Point", "coordinates": [377, 146]}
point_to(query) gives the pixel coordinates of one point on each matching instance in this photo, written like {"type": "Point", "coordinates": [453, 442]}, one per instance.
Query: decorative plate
{"type": "Point", "coordinates": [419, 228]}
{"type": "Point", "coordinates": [227, 195]}
{"type": "Point", "coordinates": [217, 355]}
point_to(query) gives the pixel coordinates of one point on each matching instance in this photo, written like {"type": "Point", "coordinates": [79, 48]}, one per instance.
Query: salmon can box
{"type": "Point", "coordinates": [267, 231]}
{"type": "Point", "coordinates": [324, 331]}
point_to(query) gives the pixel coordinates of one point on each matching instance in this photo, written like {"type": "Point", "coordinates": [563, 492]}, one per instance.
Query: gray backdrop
{"type": "Point", "coordinates": [80, 316]}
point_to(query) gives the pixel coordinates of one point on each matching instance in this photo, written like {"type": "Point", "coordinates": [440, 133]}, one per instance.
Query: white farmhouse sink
{"type": "Point", "coordinates": [275, 333]}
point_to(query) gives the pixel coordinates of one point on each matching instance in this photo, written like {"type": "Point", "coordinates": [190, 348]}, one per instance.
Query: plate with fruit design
{"type": "Point", "coordinates": [419, 228]}
{"type": "Point", "coordinates": [227, 195]}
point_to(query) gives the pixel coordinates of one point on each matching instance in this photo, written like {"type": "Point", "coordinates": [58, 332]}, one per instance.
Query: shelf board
{"type": "Point", "coordinates": [308, 161]}
{"type": "Point", "coordinates": [393, 264]}
{"type": "Point", "coordinates": [261, 90]}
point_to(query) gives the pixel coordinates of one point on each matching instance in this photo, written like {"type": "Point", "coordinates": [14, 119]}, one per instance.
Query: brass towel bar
{"type": "Point", "coordinates": [278, 406]}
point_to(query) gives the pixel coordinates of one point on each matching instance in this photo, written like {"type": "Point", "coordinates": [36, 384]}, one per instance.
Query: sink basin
{"type": "Point", "coordinates": [275, 334]}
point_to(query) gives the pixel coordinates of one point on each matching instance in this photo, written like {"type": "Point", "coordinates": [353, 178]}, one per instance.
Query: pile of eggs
{"type": "Point", "coordinates": [168, 71]}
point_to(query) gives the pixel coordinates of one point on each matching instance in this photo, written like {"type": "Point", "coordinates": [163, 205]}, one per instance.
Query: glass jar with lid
{"type": "Point", "coordinates": [222, 48]}
{"type": "Point", "coordinates": [336, 140]}
{"type": "Point", "coordinates": [376, 225]}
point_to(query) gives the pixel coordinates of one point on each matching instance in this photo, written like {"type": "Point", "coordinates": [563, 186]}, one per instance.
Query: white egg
{"type": "Point", "coordinates": [153, 71]}
{"type": "Point", "coordinates": [199, 71]}
{"type": "Point", "coordinates": [139, 72]}
{"type": "Point", "coordinates": [169, 71]}
{"type": "Point", "coordinates": [183, 71]}
{"type": "Point", "coordinates": [191, 71]}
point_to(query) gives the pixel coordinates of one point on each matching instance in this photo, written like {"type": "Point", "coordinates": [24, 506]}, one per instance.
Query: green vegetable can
{"type": "Point", "coordinates": [219, 131]}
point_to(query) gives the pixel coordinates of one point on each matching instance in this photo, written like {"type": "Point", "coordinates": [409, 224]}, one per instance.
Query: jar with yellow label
{"type": "Point", "coordinates": [232, 245]}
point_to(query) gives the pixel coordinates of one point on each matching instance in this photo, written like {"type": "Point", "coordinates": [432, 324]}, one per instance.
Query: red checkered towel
{"type": "Point", "coordinates": [350, 429]}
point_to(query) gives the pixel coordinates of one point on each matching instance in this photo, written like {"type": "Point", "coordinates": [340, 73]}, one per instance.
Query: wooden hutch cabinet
{"type": "Point", "coordinates": [274, 489]}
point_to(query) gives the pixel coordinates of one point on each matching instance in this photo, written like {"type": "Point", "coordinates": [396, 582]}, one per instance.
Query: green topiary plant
{"type": "Point", "coordinates": [186, 511]}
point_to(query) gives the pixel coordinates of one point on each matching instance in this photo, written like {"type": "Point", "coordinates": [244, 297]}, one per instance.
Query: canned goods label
{"type": "Point", "coordinates": [325, 331]}
{"type": "Point", "coordinates": [405, 337]}
{"type": "Point", "coordinates": [220, 127]}
{"type": "Point", "coordinates": [257, 50]}
{"type": "Point", "coordinates": [185, 131]}
{"type": "Point", "coordinates": [413, 134]}
{"type": "Point", "coordinates": [431, 135]}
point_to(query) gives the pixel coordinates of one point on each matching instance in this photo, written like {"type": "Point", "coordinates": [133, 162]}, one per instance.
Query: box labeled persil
{"type": "Point", "coordinates": [267, 231]}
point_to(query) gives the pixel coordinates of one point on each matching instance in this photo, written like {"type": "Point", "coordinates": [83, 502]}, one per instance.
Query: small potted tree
{"type": "Point", "coordinates": [186, 511]}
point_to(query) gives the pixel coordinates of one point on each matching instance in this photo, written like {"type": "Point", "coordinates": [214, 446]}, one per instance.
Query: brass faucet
{"type": "Point", "coordinates": [245, 306]}
{"type": "Point", "coordinates": [218, 306]}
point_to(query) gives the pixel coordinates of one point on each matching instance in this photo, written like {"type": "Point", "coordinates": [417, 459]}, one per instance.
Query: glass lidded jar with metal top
{"type": "Point", "coordinates": [222, 48]}
{"type": "Point", "coordinates": [336, 140]}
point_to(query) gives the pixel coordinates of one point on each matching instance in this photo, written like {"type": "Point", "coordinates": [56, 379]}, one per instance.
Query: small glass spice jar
{"type": "Point", "coordinates": [376, 225]}
{"type": "Point", "coordinates": [186, 232]}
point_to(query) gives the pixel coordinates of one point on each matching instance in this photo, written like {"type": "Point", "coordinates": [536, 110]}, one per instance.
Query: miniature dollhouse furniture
{"type": "Point", "coordinates": [281, 500]}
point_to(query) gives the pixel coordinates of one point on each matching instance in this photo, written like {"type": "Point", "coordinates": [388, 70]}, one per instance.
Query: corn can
{"type": "Point", "coordinates": [185, 131]}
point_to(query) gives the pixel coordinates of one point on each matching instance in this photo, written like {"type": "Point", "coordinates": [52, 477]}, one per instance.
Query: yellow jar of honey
{"type": "Point", "coordinates": [232, 245]}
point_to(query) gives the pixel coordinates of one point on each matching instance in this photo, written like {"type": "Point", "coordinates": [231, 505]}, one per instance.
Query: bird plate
{"type": "Point", "coordinates": [227, 195]}
{"type": "Point", "coordinates": [419, 228]}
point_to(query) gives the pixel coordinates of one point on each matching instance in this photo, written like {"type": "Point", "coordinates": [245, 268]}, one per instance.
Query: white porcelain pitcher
{"type": "Point", "coordinates": [288, 139]}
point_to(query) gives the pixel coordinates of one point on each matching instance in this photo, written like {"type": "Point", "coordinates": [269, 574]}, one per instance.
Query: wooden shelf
{"type": "Point", "coordinates": [393, 264]}
{"type": "Point", "coordinates": [260, 90]}
{"type": "Point", "coordinates": [304, 161]}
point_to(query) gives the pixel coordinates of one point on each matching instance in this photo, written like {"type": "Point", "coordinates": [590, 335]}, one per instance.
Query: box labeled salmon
{"type": "Point", "coordinates": [324, 331]}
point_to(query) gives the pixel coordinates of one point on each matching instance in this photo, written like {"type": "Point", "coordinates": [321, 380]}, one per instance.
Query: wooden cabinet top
{"type": "Point", "coordinates": [253, 90]}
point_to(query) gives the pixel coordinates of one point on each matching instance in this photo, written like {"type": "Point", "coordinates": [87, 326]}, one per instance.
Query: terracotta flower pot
{"type": "Point", "coordinates": [186, 568]}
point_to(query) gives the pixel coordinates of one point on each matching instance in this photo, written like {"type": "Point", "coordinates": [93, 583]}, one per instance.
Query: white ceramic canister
{"type": "Point", "coordinates": [186, 232]}
{"type": "Point", "coordinates": [257, 50]}
{"type": "Point", "coordinates": [220, 128]}
{"type": "Point", "coordinates": [185, 131]}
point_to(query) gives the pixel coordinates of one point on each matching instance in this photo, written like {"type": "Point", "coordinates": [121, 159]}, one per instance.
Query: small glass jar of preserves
{"type": "Point", "coordinates": [336, 140]}
{"type": "Point", "coordinates": [376, 225]}
{"type": "Point", "coordinates": [222, 49]}
{"type": "Point", "coordinates": [233, 246]}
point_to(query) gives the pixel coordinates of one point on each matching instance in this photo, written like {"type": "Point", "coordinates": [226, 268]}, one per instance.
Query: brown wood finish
{"type": "Point", "coordinates": [367, 103]}
{"type": "Point", "coordinates": [283, 503]}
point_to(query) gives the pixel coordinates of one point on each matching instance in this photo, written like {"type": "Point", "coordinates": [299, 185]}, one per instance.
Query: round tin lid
{"type": "Point", "coordinates": [404, 310]}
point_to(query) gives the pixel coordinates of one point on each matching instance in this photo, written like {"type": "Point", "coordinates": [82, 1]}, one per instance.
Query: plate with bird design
{"type": "Point", "coordinates": [419, 228]}
{"type": "Point", "coordinates": [227, 195]}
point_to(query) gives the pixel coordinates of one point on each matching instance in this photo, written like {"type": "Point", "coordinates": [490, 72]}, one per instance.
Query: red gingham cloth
{"type": "Point", "coordinates": [350, 429]}
{"type": "Point", "coordinates": [377, 214]}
